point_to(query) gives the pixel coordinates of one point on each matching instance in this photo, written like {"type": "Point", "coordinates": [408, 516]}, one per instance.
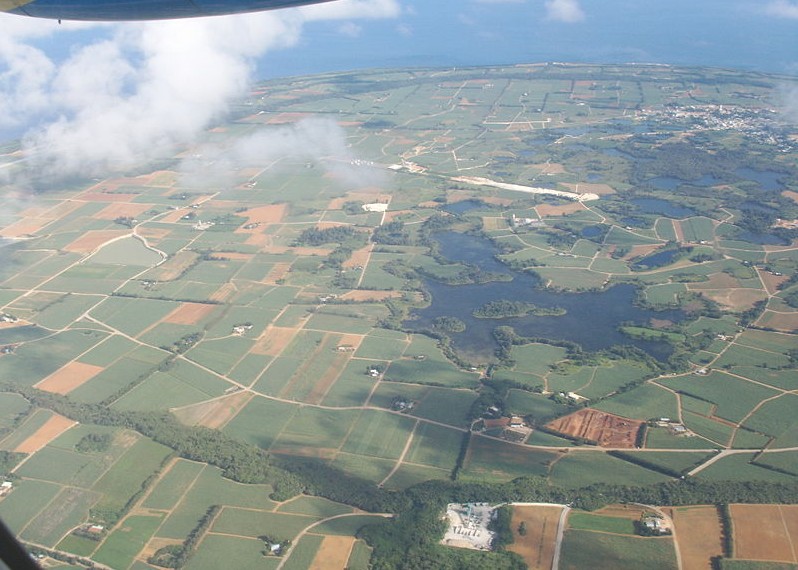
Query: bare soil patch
{"type": "Point", "coordinates": [761, 533]}
{"type": "Point", "coordinates": [156, 543]}
{"type": "Point", "coordinates": [27, 226]}
{"type": "Point", "coordinates": [121, 210]}
{"type": "Point", "coordinates": [174, 267]}
{"type": "Point", "coordinates": [285, 118]}
{"type": "Point", "coordinates": [632, 512]}
{"type": "Point", "coordinates": [51, 429]}
{"type": "Point", "coordinates": [716, 281]}
{"type": "Point", "coordinates": [189, 314]}
{"type": "Point", "coordinates": [359, 258]}
{"type": "Point", "coordinates": [738, 299]}
{"type": "Point", "coordinates": [333, 554]}
{"type": "Point", "coordinates": [93, 239]}
{"type": "Point", "coordinates": [329, 377]}
{"type": "Point", "coordinates": [791, 195]}
{"type": "Point", "coordinates": [494, 223]}
{"type": "Point", "coordinates": [607, 430]}
{"type": "Point", "coordinates": [274, 340]}
{"type": "Point", "coordinates": [787, 322]}
{"type": "Point", "coordinates": [550, 168]}
{"type": "Point", "coordinates": [771, 281]}
{"type": "Point", "coordinates": [583, 188]}
{"type": "Point", "coordinates": [107, 197]}
{"type": "Point", "coordinates": [699, 533]}
{"type": "Point", "coordinates": [640, 251]}
{"type": "Point", "coordinates": [277, 272]}
{"type": "Point", "coordinates": [537, 546]}
{"type": "Point", "coordinates": [216, 413]}
{"type": "Point", "coordinates": [548, 210]}
{"type": "Point", "coordinates": [364, 295]}
{"type": "Point", "coordinates": [68, 377]}
{"type": "Point", "coordinates": [271, 214]}
{"type": "Point", "coordinates": [224, 292]}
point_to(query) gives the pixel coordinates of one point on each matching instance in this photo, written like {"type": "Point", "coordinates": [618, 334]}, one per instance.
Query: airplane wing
{"type": "Point", "coordinates": [122, 10]}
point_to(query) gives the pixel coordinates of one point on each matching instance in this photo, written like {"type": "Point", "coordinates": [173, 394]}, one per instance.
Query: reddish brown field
{"type": "Point", "coordinates": [27, 226]}
{"type": "Point", "coordinates": [790, 194]}
{"type": "Point", "coordinates": [284, 118]}
{"type": "Point", "coordinates": [771, 281]}
{"type": "Point", "coordinates": [224, 292]}
{"type": "Point", "coordinates": [156, 543]}
{"type": "Point", "coordinates": [271, 214]}
{"type": "Point", "coordinates": [546, 210]}
{"type": "Point", "coordinates": [763, 532]}
{"type": "Point", "coordinates": [107, 197]}
{"type": "Point", "coordinates": [277, 272]}
{"type": "Point", "coordinates": [359, 258]}
{"type": "Point", "coordinates": [537, 546]}
{"type": "Point", "coordinates": [699, 533]}
{"type": "Point", "coordinates": [583, 188]}
{"type": "Point", "coordinates": [173, 267]}
{"type": "Point", "coordinates": [68, 377]}
{"type": "Point", "coordinates": [93, 239]}
{"type": "Point", "coordinates": [121, 209]}
{"type": "Point", "coordinates": [738, 299]}
{"type": "Point", "coordinates": [274, 340]}
{"type": "Point", "coordinates": [364, 295]}
{"type": "Point", "coordinates": [329, 377]}
{"type": "Point", "coordinates": [214, 414]}
{"type": "Point", "coordinates": [787, 322]}
{"type": "Point", "coordinates": [607, 430]}
{"type": "Point", "coordinates": [153, 234]}
{"type": "Point", "coordinates": [550, 168]}
{"type": "Point", "coordinates": [333, 554]}
{"type": "Point", "coordinates": [51, 429]}
{"type": "Point", "coordinates": [189, 314]}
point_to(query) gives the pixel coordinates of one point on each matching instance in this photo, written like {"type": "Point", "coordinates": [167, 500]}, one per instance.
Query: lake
{"type": "Point", "coordinates": [591, 319]}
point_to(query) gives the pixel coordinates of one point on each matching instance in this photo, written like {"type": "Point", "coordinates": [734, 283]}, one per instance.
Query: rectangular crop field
{"type": "Point", "coordinates": [536, 546]}
{"type": "Point", "coordinates": [581, 549]}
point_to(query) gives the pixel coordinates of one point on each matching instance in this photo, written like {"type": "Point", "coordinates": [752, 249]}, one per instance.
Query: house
{"type": "Point", "coordinates": [516, 421]}
{"type": "Point", "coordinates": [5, 488]}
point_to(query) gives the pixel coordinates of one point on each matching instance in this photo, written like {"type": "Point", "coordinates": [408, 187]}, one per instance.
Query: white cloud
{"type": "Point", "coordinates": [350, 29]}
{"type": "Point", "coordinates": [137, 90]}
{"type": "Point", "coordinates": [568, 11]}
{"type": "Point", "coordinates": [782, 9]}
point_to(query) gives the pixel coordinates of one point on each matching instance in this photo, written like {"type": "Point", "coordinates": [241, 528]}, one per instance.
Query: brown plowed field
{"type": "Point", "coordinates": [771, 281]}
{"type": "Point", "coordinates": [93, 239]}
{"type": "Point", "coordinates": [359, 257]}
{"type": "Point", "coordinates": [545, 210]}
{"type": "Point", "coordinates": [716, 281]}
{"type": "Point", "coordinates": [214, 414]}
{"type": "Point", "coordinates": [333, 554]}
{"type": "Point", "coordinates": [271, 214]}
{"type": "Point", "coordinates": [790, 194]}
{"type": "Point", "coordinates": [765, 532]}
{"type": "Point", "coordinates": [274, 340]}
{"type": "Point", "coordinates": [51, 429]}
{"type": "Point", "coordinates": [364, 295]}
{"type": "Point", "coordinates": [607, 430]}
{"type": "Point", "coordinates": [156, 543]}
{"type": "Point", "coordinates": [279, 271]}
{"type": "Point", "coordinates": [699, 533]}
{"type": "Point", "coordinates": [632, 512]}
{"type": "Point", "coordinates": [737, 299]}
{"type": "Point", "coordinates": [537, 546]}
{"type": "Point", "coordinates": [780, 321]}
{"type": "Point", "coordinates": [121, 209]}
{"type": "Point", "coordinates": [189, 314]}
{"type": "Point", "coordinates": [285, 118]}
{"type": "Point", "coordinates": [24, 227]}
{"type": "Point", "coordinates": [224, 292]}
{"type": "Point", "coordinates": [107, 197]}
{"type": "Point", "coordinates": [173, 267]}
{"type": "Point", "coordinates": [68, 377]}
{"type": "Point", "coordinates": [550, 167]}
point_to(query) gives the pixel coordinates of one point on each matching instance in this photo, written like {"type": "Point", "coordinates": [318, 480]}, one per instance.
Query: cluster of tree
{"type": "Point", "coordinates": [503, 308]}
{"type": "Point", "coordinates": [9, 460]}
{"type": "Point", "coordinates": [315, 237]}
{"type": "Point", "coordinates": [184, 343]}
{"type": "Point", "coordinates": [178, 555]}
{"type": "Point", "coordinates": [392, 233]}
{"type": "Point", "coordinates": [449, 324]}
{"type": "Point", "coordinates": [94, 443]}
{"type": "Point", "coordinates": [500, 526]}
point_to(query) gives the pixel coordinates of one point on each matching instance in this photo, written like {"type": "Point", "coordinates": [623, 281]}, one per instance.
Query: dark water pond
{"type": "Point", "coordinates": [591, 231]}
{"type": "Point", "coordinates": [662, 207]}
{"type": "Point", "coordinates": [672, 183]}
{"type": "Point", "coordinates": [657, 259]}
{"type": "Point", "coordinates": [463, 206]}
{"type": "Point", "coordinates": [591, 319]}
{"type": "Point", "coordinates": [769, 180]}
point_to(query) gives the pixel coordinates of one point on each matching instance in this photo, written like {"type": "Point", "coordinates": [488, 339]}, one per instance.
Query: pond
{"type": "Point", "coordinates": [662, 207]}
{"type": "Point", "coordinates": [591, 318]}
{"type": "Point", "coordinates": [658, 259]}
{"type": "Point", "coordinates": [672, 183]}
{"type": "Point", "coordinates": [769, 180]}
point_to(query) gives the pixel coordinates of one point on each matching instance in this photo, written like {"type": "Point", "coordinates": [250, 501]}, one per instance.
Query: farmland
{"type": "Point", "coordinates": [279, 335]}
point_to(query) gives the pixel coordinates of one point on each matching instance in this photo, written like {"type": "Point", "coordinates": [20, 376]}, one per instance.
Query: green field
{"type": "Point", "coordinates": [578, 520]}
{"type": "Point", "coordinates": [586, 549]}
{"type": "Point", "coordinates": [125, 542]}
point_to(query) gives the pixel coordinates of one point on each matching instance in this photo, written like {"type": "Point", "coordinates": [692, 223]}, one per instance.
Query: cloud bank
{"type": "Point", "coordinates": [567, 11]}
{"type": "Point", "coordinates": [137, 91]}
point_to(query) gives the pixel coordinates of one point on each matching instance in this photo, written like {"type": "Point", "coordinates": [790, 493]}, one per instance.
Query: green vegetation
{"type": "Point", "coordinates": [504, 308]}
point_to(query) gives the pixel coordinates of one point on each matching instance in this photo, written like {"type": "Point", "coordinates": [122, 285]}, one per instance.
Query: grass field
{"type": "Point", "coordinates": [252, 523]}
{"type": "Point", "coordinates": [435, 446]}
{"type": "Point", "coordinates": [125, 542]}
{"type": "Point", "coordinates": [578, 520]}
{"type": "Point", "coordinates": [219, 551]}
{"type": "Point", "coordinates": [491, 460]}
{"type": "Point", "coordinates": [584, 468]}
{"type": "Point", "coordinates": [600, 551]}
{"type": "Point", "coordinates": [379, 434]}
{"type": "Point", "coordinates": [172, 485]}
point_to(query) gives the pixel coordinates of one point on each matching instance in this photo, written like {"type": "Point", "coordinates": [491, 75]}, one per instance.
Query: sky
{"type": "Point", "coordinates": [92, 99]}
